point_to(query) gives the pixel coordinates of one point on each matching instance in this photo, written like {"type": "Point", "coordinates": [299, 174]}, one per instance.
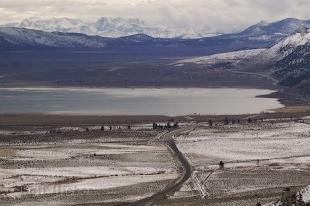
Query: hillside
{"type": "Point", "coordinates": [294, 70]}
{"type": "Point", "coordinates": [287, 61]}
{"type": "Point", "coordinates": [15, 38]}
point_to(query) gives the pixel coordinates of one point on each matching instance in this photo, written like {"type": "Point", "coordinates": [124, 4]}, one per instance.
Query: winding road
{"type": "Point", "coordinates": [185, 170]}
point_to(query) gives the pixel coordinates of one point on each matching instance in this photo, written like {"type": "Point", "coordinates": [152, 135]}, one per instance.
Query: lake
{"type": "Point", "coordinates": [144, 101]}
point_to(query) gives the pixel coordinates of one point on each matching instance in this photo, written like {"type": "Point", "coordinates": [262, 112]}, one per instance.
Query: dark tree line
{"type": "Point", "coordinates": [168, 126]}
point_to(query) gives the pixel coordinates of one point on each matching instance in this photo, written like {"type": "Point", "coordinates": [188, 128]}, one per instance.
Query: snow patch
{"type": "Point", "coordinates": [230, 57]}
{"type": "Point", "coordinates": [306, 194]}
{"type": "Point", "coordinates": [287, 45]}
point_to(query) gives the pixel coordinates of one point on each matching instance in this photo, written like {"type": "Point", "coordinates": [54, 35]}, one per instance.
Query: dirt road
{"type": "Point", "coordinates": [185, 170]}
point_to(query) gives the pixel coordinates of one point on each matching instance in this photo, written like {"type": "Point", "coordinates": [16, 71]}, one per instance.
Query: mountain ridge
{"type": "Point", "coordinates": [106, 27]}
{"type": "Point", "coordinates": [29, 38]}
{"type": "Point", "coordinates": [118, 27]}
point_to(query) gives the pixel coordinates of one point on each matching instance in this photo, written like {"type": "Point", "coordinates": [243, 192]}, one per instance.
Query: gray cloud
{"type": "Point", "coordinates": [215, 15]}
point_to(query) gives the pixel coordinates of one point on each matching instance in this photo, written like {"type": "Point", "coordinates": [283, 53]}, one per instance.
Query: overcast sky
{"type": "Point", "coordinates": [214, 15]}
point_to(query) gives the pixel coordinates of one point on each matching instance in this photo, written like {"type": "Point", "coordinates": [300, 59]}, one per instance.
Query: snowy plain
{"type": "Point", "coordinates": [258, 157]}
{"type": "Point", "coordinates": [232, 143]}
{"type": "Point", "coordinates": [90, 166]}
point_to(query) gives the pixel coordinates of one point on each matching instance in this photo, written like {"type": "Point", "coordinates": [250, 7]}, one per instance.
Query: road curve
{"type": "Point", "coordinates": [185, 170]}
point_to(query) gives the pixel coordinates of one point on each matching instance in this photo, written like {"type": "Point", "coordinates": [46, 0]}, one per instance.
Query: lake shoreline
{"type": "Point", "coordinates": [295, 110]}
{"type": "Point", "coordinates": [12, 120]}
{"type": "Point", "coordinates": [287, 100]}
{"type": "Point", "coordinates": [135, 101]}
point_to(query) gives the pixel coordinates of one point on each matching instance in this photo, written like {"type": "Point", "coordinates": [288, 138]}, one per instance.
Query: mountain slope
{"type": "Point", "coordinates": [294, 70]}
{"type": "Point", "coordinates": [274, 53]}
{"type": "Point", "coordinates": [230, 58]}
{"type": "Point", "coordinates": [287, 61]}
{"type": "Point", "coordinates": [27, 38]}
{"type": "Point", "coordinates": [287, 45]}
{"type": "Point", "coordinates": [291, 57]}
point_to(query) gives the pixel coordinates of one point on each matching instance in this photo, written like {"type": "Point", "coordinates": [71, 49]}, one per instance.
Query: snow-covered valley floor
{"type": "Point", "coordinates": [260, 159]}
{"type": "Point", "coordinates": [76, 166]}
{"type": "Point", "coordinates": [57, 171]}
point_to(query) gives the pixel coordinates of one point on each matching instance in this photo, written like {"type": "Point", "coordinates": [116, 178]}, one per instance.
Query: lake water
{"type": "Point", "coordinates": [164, 101]}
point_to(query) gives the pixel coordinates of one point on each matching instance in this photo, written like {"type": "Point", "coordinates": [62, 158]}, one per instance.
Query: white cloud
{"type": "Point", "coordinates": [215, 15]}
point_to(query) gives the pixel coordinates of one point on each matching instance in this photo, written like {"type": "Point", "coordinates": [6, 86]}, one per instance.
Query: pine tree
{"type": "Point", "coordinates": [210, 123]}
{"type": "Point", "coordinates": [226, 121]}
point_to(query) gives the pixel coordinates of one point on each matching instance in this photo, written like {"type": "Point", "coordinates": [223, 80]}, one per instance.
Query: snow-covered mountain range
{"type": "Point", "coordinates": [276, 52]}
{"type": "Point", "coordinates": [119, 27]}
{"type": "Point", "coordinates": [73, 33]}
{"type": "Point", "coordinates": [272, 32]}
{"type": "Point", "coordinates": [285, 52]}
{"type": "Point", "coordinates": [288, 60]}
{"type": "Point", "coordinates": [285, 26]}
{"type": "Point", "coordinates": [107, 27]}
{"type": "Point", "coordinates": [66, 32]}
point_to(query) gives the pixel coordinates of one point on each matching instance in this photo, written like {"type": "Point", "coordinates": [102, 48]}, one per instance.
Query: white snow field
{"type": "Point", "coordinates": [230, 57]}
{"type": "Point", "coordinates": [44, 152]}
{"type": "Point", "coordinates": [260, 158]}
{"type": "Point", "coordinates": [80, 166]}
{"type": "Point", "coordinates": [287, 45]}
{"type": "Point", "coordinates": [249, 142]}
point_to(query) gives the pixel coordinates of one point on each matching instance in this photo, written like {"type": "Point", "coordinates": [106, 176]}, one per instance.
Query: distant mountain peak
{"type": "Point", "coordinates": [141, 35]}
{"type": "Point", "coordinates": [262, 23]}
{"type": "Point", "coordinates": [138, 37]}
{"type": "Point", "coordinates": [121, 20]}
{"type": "Point", "coordinates": [107, 27]}
{"type": "Point", "coordinates": [291, 20]}
{"type": "Point", "coordinates": [119, 27]}
{"type": "Point", "coordinates": [282, 28]}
